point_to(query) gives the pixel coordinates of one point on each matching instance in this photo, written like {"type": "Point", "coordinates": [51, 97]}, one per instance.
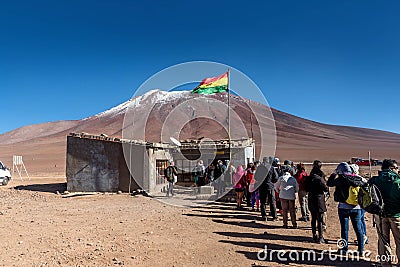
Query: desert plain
{"type": "Point", "coordinates": [44, 227]}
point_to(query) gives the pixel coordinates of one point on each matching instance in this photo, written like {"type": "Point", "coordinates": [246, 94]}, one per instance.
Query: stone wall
{"type": "Point", "coordinates": [96, 166]}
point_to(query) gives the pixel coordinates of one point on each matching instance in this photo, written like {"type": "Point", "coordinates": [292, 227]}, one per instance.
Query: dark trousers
{"type": "Point", "coordinates": [316, 222]}
{"type": "Point", "coordinates": [248, 196]}
{"type": "Point", "coordinates": [270, 195]}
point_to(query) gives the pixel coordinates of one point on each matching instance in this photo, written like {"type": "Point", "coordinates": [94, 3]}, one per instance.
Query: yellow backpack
{"type": "Point", "coordinates": [352, 199]}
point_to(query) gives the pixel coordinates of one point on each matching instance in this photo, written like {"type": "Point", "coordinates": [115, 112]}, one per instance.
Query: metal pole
{"type": "Point", "coordinates": [251, 130]}
{"type": "Point", "coordinates": [229, 167]}
{"type": "Point", "coordinates": [370, 164]}
{"type": "Point", "coordinates": [13, 166]}
{"type": "Point", "coordinates": [229, 117]}
{"type": "Point", "coordinates": [130, 169]}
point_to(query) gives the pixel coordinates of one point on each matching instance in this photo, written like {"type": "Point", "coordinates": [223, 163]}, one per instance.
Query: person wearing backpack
{"type": "Point", "coordinates": [356, 170]}
{"type": "Point", "coordinates": [388, 183]}
{"type": "Point", "coordinates": [346, 185]}
{"type": "Point", "coordinates": [276, 163]}
{"type": "Point", "coordinates": [316, 186]}
{"type": "Point", "coordinates": [171, 172]}
{"type": "Point", "coordinates": [265, 177]}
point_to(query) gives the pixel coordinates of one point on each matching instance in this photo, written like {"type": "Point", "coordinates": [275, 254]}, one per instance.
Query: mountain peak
{"type": "Point", "coordinates": [297, 138]}
{"type": "Point", "coordinates": [151, 97]}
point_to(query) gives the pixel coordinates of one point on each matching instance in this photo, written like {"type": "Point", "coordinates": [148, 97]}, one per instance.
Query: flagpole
{"type": "Point", "coordinates": [251, 120]}
{"type": "Point", "coordinates": [251, 130]}
{"type": "Point", "coordinates": [229, 116]}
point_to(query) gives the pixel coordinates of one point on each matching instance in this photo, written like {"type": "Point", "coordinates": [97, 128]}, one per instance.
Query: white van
{"type": "Point", "coordinates": [5, 175]}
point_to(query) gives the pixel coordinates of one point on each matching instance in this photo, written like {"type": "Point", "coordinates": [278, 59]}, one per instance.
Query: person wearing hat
{"type": "Point", "coordinates": [356, 170]}
{"type": "Point", "coordinates": [287, 166]}
{"type": "Point", "coordinates": [239, 181]}
{"type": "Point", "coordinates": [280, 171]}
{"type": "Point", "coordinates": [287, 187]}
{"type": "Point", "coordinates": [316, 186]}
{"type": "Point", "coordinates": [345, 182]}
{"type": "Point", "coordinates": [265, 177]}
{"type": "Point", "coordinates": [276, 163]}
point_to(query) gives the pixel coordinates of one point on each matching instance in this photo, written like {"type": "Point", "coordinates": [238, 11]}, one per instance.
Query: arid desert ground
{"type": "Point", "coordinates": [43, 227]}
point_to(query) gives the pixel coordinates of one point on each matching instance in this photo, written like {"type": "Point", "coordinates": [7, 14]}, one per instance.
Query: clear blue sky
{"type": "Point", "coordinates": [335, 62]}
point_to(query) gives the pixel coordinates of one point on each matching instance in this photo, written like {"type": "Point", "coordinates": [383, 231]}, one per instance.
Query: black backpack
{"type": "Point", "coordinates": [370, 199]}
{"type": "Point", "coordinates": [307, 183]}
{"type": "Point", "coordinates": [167, 172]}
{"type": "Point", "coordinates": [218, 171]}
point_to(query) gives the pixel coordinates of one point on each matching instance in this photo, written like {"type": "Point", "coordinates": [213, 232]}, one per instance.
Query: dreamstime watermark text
{"type": "Point", "coordinates": [312, 255]}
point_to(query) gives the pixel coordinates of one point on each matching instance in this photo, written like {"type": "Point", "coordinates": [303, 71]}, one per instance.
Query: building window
{"type": "Point", "coordinates": [185, 168]}
{"type": "Point", "coordinates": [161, 165]}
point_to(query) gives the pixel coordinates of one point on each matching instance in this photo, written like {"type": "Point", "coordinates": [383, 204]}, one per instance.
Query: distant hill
{"type": "Point", "coordinates": [44, 145]}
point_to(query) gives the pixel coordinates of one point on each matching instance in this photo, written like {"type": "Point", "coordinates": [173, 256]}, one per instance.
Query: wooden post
{"type": "Point", "coordinates": [370, 164]}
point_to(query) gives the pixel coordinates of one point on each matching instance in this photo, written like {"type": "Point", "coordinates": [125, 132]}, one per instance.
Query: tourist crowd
{"type": "Point", "coordinates": [270, 183]}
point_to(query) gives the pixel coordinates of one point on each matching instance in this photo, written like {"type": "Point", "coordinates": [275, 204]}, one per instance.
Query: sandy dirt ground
{"type": "Point", "coordinates": [44, 228]}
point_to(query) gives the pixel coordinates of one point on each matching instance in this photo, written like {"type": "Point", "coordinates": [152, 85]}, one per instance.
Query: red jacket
{"type": "Point", "coordinates": [249, 176]}
{"type": "Point", "coordinates": [300, 178]}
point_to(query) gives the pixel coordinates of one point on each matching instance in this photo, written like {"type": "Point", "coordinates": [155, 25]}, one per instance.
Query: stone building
{"type": "Point", "coordinates": [97, 163]}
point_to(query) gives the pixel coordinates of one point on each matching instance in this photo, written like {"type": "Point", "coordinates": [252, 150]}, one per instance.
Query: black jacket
{"type": "Point", "coordinates": [265, 176]}
{"type": "Point", "coordinates": [316, 187]}
{"type": "Point", "coordinates": [219, 171]}
{"type": "Point", "coordinates": [170, 172]}
{"type": "Point", "coordinates": [342, 184]}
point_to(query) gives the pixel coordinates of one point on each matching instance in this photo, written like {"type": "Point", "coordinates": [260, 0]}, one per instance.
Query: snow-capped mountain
{"type": "Point", "coordinates": [297, 138]}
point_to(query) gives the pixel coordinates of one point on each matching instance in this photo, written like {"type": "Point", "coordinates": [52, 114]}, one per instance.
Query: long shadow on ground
{"type": "Point", "coordinates": [287, 255]}
{"type": "Point", "coordinates": [269, 252]}
{"type": "Point", "coordinates": [265, 252]}
{"type": "Point", "coordinates": [225, 216]}
{"type": "Point", "coordinates": [47, 188]}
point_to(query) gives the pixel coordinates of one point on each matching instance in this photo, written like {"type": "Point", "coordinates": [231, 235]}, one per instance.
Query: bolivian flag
{"type": "Point", "coordinates": [213, 85]}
